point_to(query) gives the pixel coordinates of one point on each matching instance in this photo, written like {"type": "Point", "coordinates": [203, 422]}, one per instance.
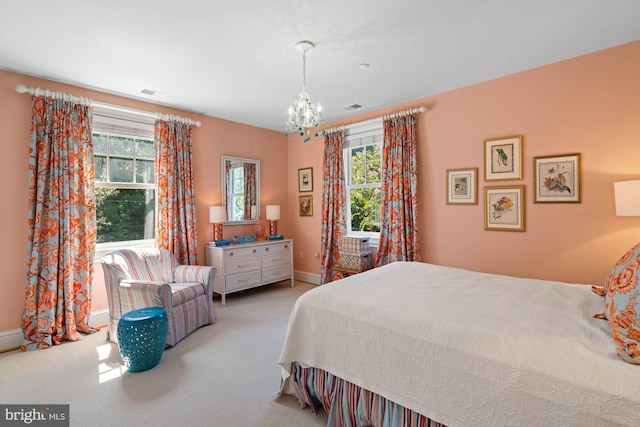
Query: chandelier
{"type": "Point", "coordinates": [303, 114]}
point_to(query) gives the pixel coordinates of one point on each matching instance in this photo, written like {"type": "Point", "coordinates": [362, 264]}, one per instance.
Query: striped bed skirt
{"type": "Point", "coordinates": [346, 404]}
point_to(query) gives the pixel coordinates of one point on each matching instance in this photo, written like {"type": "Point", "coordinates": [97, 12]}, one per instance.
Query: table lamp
{"type": "Point", "coordinates": [273, 215]}
{"type": "Point", "coordinates": [217, 215]}
{"type": "Point", "coordinates": [627, 196]}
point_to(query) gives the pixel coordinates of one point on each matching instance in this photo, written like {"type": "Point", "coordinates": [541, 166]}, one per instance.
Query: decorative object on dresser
{"type": "Point", "coordinates": [273, 215]}
{"type": "Point", "coordinates": [217, 215]}
{"type": "Point", "coordinates": [249, 265]}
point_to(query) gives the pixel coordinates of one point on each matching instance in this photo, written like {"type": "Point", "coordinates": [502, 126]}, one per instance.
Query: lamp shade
{"type": "Point", "coordinates": [217, 214]}
{"type": "Point", "coordinates": [273, 212]}
{"type": "Point", "coordinates": [627, 194]}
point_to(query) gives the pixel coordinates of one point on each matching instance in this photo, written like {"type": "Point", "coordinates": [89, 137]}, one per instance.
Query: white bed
{"type": "Point", "coordinates": [465, 348]}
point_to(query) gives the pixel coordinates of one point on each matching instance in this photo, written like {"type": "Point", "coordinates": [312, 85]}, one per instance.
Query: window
{"type": "Point", "coordinates": [124, 181]}
{"type": "Point", "coordinates": [363, 176]}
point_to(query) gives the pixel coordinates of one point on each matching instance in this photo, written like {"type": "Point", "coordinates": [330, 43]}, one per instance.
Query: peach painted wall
{"type": "Point", "coordinates": [589, 105]}
{"type": "Point", "coordinates": [215, 138]}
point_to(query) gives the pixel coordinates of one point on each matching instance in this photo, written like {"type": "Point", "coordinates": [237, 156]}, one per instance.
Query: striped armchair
{"type": "Point", "coordinates": [151, 277]}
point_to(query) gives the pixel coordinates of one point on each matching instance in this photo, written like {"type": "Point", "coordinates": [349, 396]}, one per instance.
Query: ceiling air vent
{"type": "Point", "coordinates": [148, 92]}
{"type": "Point", "coordinates": [352, 107]}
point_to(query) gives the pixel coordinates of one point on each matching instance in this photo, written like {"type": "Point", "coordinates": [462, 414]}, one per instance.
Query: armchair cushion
{"type": "Point", "coordinates": [150, 277]}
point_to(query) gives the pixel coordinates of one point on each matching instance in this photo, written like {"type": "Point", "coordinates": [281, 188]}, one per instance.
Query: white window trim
{"type": "Point", "coordinates": [120, 122]}
{"type": "Point", "coordinates": [356, 135]}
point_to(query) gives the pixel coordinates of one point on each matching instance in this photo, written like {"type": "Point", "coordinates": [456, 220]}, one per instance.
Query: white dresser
{"type": "Point", "coordinates": [248, 265]}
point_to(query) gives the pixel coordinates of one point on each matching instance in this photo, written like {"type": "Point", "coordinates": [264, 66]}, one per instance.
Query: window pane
{"type": "Point", "coordinates": [120, 146]}
{"type": "Point", "coordinates": [144, 148]}
{"type": "Point", "coordinates": [357, 166]}
{"type": "Point", "coordinates": [144, 171]}
{"type": "Point", "coordinates": [101, 168]}
{"type": "Point", "coordinates": [120, 170]}
{"type": "Point", "coordinates": [99, 144]}
{"type": "Point", "coordinates": [125, 214]}
{"type": "Point", "coordinates": [238, 208]}
{"type": "Point", "coordinates": [365, 209]}
{"type": "Point", "coordinates": [373, 172]}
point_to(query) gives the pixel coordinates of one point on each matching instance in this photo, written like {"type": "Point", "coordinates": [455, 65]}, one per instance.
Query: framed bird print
{"type": "Point", "coordinates": [503, 158]}
{"type": "Point", "coordinates": [557, 179]}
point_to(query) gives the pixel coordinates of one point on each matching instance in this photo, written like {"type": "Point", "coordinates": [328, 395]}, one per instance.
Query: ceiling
{"type": "Point", "coordinates": [236, 60]}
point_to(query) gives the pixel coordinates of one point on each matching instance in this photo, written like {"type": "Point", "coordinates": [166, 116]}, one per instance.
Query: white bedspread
{"type": "Point", "coordinates": [466, 348]}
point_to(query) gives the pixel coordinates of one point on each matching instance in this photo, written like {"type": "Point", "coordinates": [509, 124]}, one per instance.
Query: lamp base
{"type": "Point", "coordinates": [217, 231]}
{"type": "Point", "coordinates": [273, 227]}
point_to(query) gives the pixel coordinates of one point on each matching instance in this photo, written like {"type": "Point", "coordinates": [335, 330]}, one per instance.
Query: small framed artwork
{"type": "Point", "coordinates": [462, 186]}
{"type": "Point", "coordinates": [306, 205]}
{"type": "Point", "coordinates": [305, 179]}
{"type": "Point", "coordinates": [504, 208]}
{"type": "Point", "coordinates": [557, 179]}
{"type": "Point", "coordinates": [503, 158]}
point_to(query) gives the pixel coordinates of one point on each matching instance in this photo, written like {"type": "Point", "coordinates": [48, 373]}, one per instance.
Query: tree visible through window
{"type": "Point", "coordinates": [125, 191]}
{"type": "Point", "coordinates": [363, 186]}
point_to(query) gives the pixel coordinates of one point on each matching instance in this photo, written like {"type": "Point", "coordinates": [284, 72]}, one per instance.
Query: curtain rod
{"type": "Point", "coordinates": [402, 113]}
{"type": "Point", "coordinates": [21, 88]}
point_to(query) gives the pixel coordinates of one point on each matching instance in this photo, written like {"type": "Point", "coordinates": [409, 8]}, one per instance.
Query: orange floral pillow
{"type": "Point", "coordinates": [622, 305]}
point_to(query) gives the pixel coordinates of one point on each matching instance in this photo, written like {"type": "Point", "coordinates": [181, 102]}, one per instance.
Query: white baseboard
{"type": "Point", "coordinates": [12, 339]}
{"type": "Point", "coordinates": [312, 278]}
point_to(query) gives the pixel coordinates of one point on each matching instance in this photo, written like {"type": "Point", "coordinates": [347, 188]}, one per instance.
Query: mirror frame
{"type": "Point", "coordinates": [223, 185]}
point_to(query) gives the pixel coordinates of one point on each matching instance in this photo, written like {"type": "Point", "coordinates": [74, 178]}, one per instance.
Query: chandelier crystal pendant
{"type": "Point", "coordinates": [303, 114]}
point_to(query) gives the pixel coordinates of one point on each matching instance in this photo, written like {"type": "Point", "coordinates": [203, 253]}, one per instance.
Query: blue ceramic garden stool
{"type": "Point", "coordinates": [142, 335]}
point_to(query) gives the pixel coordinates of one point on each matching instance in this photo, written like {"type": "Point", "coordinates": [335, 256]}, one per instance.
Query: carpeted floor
{"type": "Point", "coordinates": [224, 374]}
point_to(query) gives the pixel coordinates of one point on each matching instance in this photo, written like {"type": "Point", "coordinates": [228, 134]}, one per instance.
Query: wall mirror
{"type": "Point", "coordinates": [241, 189]}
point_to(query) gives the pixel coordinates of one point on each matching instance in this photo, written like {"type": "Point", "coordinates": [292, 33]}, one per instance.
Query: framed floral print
{"type": "Point", "coordinates": [557, 179]}
{"type": "Point", "coordinates": [503, 158]}
{"type": "Point", "coordinates": [462, 186]}
{"type": "Point", "coordinates": [305, 180]}
{"type": "Point", "coordinates": [504, 208]}
{"type": "Point", "coordinates": [306, 205]}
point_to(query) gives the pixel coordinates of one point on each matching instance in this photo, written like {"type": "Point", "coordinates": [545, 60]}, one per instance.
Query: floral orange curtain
{"type": "Point", "coordinates": [62, 224]}
{"type": "Point", "coordinates": [175, 195]}
{"type": "Point", "coordinates": [399, 229]}
{"type": "Point", "coordinates": [334, 211]}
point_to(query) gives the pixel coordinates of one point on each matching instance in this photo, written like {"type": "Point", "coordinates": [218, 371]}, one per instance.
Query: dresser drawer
{"type": "Point", "coordinates": [242, 281]}
{"type": "Point", "coordinates": [240, 253]}
{"type": "Point", "coordinates": [275, 260]}
{"type": "Point", "coordinates": [276, 273]}
{"type": "Point", "coordinates": [276, 248]}
{"type": "Point", "coordinates": [242, 265]}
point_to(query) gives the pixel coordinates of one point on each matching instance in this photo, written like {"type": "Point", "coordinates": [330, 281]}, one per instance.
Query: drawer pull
{"type": "Point", "coordinates": [243, 265]}
{"type": "Point", "coordinates": [276, 260]}
{"type": "Point", "coordinates": [254, 251]}
{"type": "Point", "coordinates": [266, 249]}
{"type": "Point", "coordinates": [230, 253]}
{"type": "Point", "coordinates": [244, 280]}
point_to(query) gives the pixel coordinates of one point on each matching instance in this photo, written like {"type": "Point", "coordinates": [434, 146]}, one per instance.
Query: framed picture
{"type": "Point", "coordinates": [306, 205]}
{"type": "Point", "coordinates": [556, 179]}
{"type": "Point", "coordinates": [503, 158]}
{"type": "Point", "coordinates": [504, 208]}
{"type": "Point", "coordinates": [462, 186]}
{"type": "Point", "coordinates": [305, 179]}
